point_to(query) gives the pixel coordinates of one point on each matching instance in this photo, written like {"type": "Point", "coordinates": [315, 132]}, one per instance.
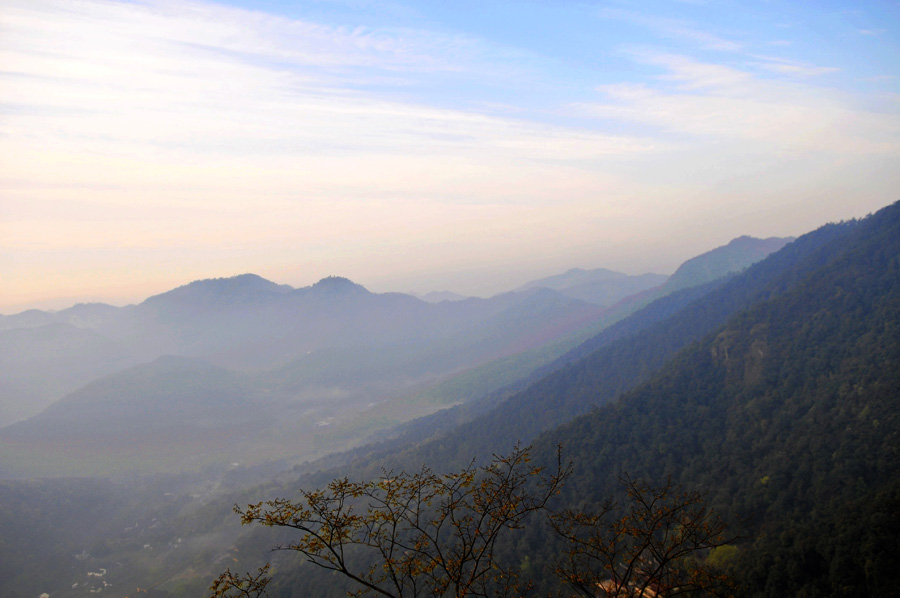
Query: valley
{"type": "Point", "coordinates": [361, 383]}
{"type": "Point", "coordinates": [421, 299]}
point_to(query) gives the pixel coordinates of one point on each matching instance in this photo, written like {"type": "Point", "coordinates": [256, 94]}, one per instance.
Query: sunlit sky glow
{"type": "Point", "coordinates": [467, 146]}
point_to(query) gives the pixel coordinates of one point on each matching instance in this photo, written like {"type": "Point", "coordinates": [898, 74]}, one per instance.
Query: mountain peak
{"type": "Point", "coordinates": [738, 254]}
{"type": "Point", "coordinates": [337, 285]}
{"type": "Point", "coordinates": [759, 244]}
{"type": "Point", "coordinates": [238, 288]}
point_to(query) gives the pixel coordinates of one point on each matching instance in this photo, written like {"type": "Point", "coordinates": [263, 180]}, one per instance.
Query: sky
{"type": "Point", "coordinates": [428, 145]}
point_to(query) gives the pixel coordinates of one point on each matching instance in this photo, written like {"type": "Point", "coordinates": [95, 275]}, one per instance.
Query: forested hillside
{"type": "Point", "coordinates": [786, 414]}
{"type": "Point", "coordinates": [614, 361]}
{"type": "Point", "coordinates": [771, 389]}
{"type": "Point", "coordinates": [428, 299]}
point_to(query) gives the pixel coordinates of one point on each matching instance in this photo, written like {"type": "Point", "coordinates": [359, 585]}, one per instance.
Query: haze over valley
{"type": "Point", "coordinates": [194, 397]}
{"type": "Point", "coordinates": [246, 370]}
{"type": "Point", "coordinates": [423, 299]}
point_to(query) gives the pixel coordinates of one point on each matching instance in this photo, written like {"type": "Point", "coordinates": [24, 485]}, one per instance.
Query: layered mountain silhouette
{"type": "Point", "coordinates": [616, 360]}
{"type": "Point", "coordinates": [599, 286]}
{"type": "Point", "coordinates": [248, 322]}
{"type": "Point", "coordinates": [313, 354]}
{"type": "Point", "coordinates": [438, 296]}
{"type": "Point", "coordinates": [772, 387]}
{"type": "Point", "coordinates": [775, 391]}
{"type": "Point", "coordinates": [309, 355]}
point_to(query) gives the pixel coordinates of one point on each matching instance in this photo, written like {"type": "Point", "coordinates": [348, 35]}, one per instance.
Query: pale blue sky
{"type": "Point", "coordinates": [467, 146]}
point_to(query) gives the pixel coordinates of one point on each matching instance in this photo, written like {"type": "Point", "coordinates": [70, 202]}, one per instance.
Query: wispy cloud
{"type": "Point", "coordinates": [213, 139]}
{"type": "Point", "coordinates": [731, 104]}
{"type": "Point", "coordinates": [687, 73]}
{"type": "Point", "coordinates": [674, 28]}
{"type": "Point", "coordinates": [127, 78]}
{"type": "Point", "coordinates": [801, 70]}
{"type": "Point", "coordinates": [791, 67]}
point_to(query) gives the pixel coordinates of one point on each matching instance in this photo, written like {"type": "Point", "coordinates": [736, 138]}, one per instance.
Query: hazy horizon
{"type": "Point", "coordinates": [500, 282]}
{"type": "Point", "coordinates": [422, 146]}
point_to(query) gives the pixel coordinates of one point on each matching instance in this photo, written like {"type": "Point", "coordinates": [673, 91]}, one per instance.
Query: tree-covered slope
{"type": "Point", "coordinates": [619, 358]}
{"type": "Point", "coordinates": [775, 389]}
{"type": "Point", "coordinates": [782, 403]}
{"type": "Point", "coordinates": [789, 415]}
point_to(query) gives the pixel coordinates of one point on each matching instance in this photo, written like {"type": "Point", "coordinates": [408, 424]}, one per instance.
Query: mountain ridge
{"type": "Point", "coordinates": [654, 417]}
{"type": "Point", "coordinates": [787, 416]}
{"type": "Point", "coordinates": [624, 355]}
{"type": "Point", "coordinates": [783, 408]}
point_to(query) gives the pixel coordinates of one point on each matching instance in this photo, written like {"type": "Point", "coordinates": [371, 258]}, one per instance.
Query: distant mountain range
{"type": "Point", "coordinates": [599, 286]}
{"type": "Point", "coordinates": [308, 356]}
{"type": "Point", "coordinates": [317, 359]}
{"type": "Point", "coordinates": [773, 362]}
{"type": "Point", "coordinates": [616, 360]}
{"type": "Point", "coordinates": [606, 288]}
{"type": "Point", "coordinates": [248, 322]}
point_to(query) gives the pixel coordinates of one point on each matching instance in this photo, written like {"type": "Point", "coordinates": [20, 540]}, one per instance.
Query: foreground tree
{"type": "Point", "coordinates": [656, 547]}
{"type": "Point", "coordinates": [426, 534]}
{"type": "Point", "coordinates": [407, 535]}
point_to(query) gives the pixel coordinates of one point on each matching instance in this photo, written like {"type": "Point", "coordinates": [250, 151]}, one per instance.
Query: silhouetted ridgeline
{"type": "Point", "coordinates": [621, 357]}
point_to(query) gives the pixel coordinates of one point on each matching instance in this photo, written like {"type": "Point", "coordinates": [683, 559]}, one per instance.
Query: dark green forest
{"type": "Point", "coordinates": [787, 416]}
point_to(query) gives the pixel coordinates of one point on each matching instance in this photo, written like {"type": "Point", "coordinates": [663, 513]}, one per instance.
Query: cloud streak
{"type": "Point", "coordinates": [245, 84]}
{"type": "Point", "coordinates": [674, 28]}
{"type": "Point", "coordinates": [702, 99]}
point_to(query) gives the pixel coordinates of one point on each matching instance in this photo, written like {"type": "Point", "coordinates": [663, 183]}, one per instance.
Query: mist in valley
{"type": "Point", "coordinates": [251, 247]}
